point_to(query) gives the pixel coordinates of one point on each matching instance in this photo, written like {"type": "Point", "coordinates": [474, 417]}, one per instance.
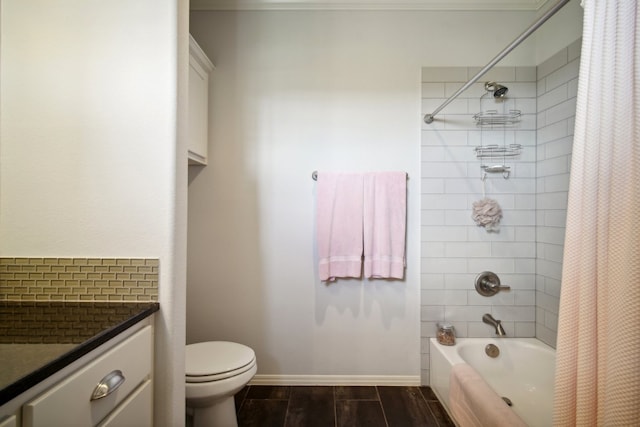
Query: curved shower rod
{"type": "Point", "coordinates": [428, 118]}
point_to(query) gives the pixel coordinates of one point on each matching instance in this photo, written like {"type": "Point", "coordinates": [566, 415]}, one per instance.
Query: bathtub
{"type": "Point", "coordinates": [523, 372]}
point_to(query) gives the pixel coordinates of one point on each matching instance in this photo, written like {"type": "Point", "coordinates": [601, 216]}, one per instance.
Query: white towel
{"type": "Point", "coordinates": [473, 402]}
{"type": "Point", "coordinates": [384, 223]}
{"type": "Point", "coordinates": [339, 224]}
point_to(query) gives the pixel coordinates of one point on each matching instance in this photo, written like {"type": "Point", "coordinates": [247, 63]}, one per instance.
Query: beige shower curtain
{"type": "Point", "coordinates": [598, 351]}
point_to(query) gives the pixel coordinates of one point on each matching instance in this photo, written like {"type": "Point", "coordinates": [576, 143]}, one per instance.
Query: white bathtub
{"type": "Point", "coordinates": [523, 372]}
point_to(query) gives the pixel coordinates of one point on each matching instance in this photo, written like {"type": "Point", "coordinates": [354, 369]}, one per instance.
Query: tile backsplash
{"type": "Point", "coordinates": [79, 279]}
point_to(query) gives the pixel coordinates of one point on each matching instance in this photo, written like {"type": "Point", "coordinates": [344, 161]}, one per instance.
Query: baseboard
{"type": "Point", "coordinates": [329, 380]}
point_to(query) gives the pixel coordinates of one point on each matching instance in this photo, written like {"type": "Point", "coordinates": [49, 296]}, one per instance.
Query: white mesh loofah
{"type": "Point", "coordinates": [487, 213]}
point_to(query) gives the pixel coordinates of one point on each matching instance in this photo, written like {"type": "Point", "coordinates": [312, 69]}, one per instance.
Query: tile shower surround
{"type": "Point", "coordinates": [453, 249]}
{"type": "Point", "coordinates": [79, 279]}
{"type": "Point", "coordinates": [527, 252]}
{"type": "Point", "coordinates": [557, 88]}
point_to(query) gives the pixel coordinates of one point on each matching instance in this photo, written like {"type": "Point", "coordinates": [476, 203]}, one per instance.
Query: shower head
{"type": "Point", "coordinates": [498, 90]}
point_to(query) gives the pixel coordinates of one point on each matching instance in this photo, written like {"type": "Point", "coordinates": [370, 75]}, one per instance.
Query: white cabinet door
{"type": "Point", "coordinates": [199, 70]}
{"type": "Point", "coordinates": [9, 422]}
{"type": "Point", "coordinates": [69, 403]}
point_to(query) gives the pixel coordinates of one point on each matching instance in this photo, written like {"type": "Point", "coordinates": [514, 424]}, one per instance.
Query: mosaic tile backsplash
{"type": "Point", "coordinates": [79, 279]}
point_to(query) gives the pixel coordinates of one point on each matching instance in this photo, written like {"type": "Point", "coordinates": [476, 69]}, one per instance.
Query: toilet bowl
{"type": "Point", "coordinates": [215, 372]}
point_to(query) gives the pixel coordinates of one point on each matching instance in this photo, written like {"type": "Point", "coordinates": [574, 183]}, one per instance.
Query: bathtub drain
{"type": "Point", "coordinates": [492, 350]}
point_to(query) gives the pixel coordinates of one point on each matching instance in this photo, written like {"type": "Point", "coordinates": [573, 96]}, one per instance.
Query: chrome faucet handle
{"type": "Point", "coordinates": [488, 284]}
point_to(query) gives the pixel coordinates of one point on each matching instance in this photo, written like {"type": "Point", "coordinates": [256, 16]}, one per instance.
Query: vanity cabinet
{"type": "Point", "coordinates": [10, 421]}
{"type": "Point", "coordinates": [112, 390]}
{"type": "Point", "coordinates": [200, 69]}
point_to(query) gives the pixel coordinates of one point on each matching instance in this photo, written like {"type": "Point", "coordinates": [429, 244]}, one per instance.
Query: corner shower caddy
{"type": "Point", "coordinates": [492, 119]}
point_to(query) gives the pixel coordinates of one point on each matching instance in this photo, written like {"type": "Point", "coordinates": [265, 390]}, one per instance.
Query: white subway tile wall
{"type": "Point", "coordinates": [454, 249]}
{"type": "Point", "coordinates": [557, 90]}
{"type": "Point", "coordinates": [527, 251]}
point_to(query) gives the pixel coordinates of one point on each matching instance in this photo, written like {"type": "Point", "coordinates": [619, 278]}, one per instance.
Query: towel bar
{"type": "Point", "coordinates": [314, 175]}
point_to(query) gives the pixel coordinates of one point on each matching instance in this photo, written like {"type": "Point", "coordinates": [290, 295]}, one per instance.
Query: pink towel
{"type": "Point", "coordinates": [473, 402]}
{"type": "Point", "coordinates": [339, 225]}
{"type": "Point", "coordinates": [384, 222]}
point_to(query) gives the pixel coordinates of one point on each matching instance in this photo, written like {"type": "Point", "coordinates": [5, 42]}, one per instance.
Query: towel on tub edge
{"type": "Point", "coordinates": [474, 403]}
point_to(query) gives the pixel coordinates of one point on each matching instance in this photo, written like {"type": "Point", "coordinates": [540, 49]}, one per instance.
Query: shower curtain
{"type": "Point", "coordinates": [598, 351]}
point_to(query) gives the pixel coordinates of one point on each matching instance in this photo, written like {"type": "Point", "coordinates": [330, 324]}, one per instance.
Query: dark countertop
{"type": "Point", "coordinates": [38, 339]}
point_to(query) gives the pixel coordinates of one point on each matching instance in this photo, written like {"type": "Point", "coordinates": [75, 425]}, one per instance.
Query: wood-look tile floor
{"type": "Point", "coordinates": [339, 406]}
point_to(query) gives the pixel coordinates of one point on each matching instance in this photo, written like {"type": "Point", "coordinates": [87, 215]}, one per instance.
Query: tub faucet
{"type": "Point", "coordinates": [488, 319]}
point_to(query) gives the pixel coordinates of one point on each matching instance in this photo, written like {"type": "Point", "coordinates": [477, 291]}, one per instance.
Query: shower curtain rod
{"type": "Point", "coordinates": [428, 118]}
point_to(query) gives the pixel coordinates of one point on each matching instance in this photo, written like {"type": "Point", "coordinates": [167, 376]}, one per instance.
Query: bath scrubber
{"type": "Point", "coordinates": [487, 213]}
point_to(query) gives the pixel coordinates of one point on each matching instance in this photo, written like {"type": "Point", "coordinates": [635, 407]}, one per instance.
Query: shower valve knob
{"type": "Point", "coordinates": [488, 284]}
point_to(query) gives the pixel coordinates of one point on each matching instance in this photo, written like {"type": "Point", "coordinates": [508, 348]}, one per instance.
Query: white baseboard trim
{"type": "Point", "coordinates": [330, 380]}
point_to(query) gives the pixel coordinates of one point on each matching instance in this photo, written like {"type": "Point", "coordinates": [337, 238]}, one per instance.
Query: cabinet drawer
{"type": "Point", "coordinates": [135, 411]}
{"type": "Point", "coordinates": [69, 403]}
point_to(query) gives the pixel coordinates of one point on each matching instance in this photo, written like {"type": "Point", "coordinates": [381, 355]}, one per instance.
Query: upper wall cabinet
{"type": "Point", "coordinates": [200, 69]}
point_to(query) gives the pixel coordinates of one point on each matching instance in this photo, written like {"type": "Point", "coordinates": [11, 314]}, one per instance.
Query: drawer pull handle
{"type": "Point", "coordinates": [108, 385]}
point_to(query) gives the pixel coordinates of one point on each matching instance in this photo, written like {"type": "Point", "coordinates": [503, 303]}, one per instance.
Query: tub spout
{"type": "Point", "coordinates": [488, 319]}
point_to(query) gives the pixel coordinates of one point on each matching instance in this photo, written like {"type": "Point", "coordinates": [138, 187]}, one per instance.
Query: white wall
{"type": "Point", "coordinates": [296, 92]}
{"type": "Point", "coordinates": [89, 165]}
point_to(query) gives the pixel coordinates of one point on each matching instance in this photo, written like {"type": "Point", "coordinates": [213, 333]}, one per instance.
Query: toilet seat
{"type": "Point", "coordinates": [216, 360]}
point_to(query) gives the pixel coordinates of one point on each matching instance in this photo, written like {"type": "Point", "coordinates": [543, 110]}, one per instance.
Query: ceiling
{"type": "Point", "coordinates": [367, 4]}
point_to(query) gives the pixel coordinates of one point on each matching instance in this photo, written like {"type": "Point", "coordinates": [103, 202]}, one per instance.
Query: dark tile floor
{"type": "Point", "coordinates": [339, 406]}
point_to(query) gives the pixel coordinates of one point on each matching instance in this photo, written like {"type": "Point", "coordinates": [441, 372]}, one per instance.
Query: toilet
{"type": "Point", "coordinates": [215, 372]}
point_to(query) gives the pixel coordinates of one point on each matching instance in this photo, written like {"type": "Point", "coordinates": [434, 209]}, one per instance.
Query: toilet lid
{"type": "Point", "coordinates": [216, 357]}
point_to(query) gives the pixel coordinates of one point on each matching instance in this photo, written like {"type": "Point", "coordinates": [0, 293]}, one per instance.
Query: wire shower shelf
{"type": "Point", "coordinates": [497, 151]}
{"type": "Point", "coordinates": [492, 118]}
